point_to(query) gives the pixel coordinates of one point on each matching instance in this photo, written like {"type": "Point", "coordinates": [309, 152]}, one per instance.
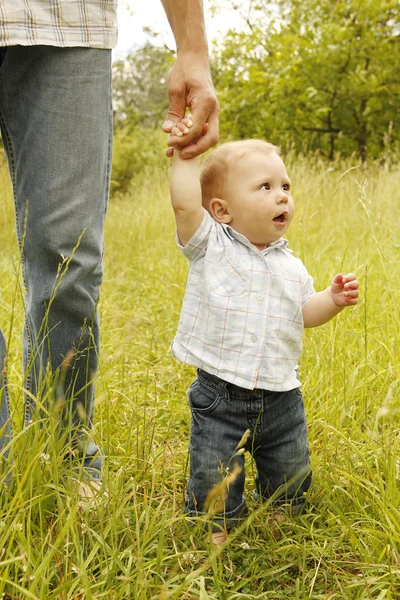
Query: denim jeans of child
{"type": "Point", "coordinates": [56, 125]}
{"type": "Point", "coordinates": [278, 442]}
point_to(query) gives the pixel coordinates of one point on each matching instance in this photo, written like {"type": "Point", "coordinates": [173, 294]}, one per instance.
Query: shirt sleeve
{"type": "Point", "coordinates": [196, 247]}
{"type": "Point", "coordinates": [308, 289]}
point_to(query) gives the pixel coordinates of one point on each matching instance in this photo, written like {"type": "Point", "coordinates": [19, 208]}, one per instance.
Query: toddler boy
{"type": "Point", "coordinates": [246, 303]}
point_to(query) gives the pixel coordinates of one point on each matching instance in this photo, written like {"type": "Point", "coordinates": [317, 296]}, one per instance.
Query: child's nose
{"type": "Point", "coordinates": [282, 196]}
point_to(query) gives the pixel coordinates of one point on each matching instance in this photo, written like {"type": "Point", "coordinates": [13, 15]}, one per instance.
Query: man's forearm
{"type": "Point", "coordinates": [186, 18]}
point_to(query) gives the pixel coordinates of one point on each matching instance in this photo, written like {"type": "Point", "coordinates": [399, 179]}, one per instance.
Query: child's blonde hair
{"type": "Point", "coordinates": [214, 170]}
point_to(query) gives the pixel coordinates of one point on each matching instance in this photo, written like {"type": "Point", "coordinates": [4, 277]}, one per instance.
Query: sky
{"type": "Point", "coordinates": [133, 15]}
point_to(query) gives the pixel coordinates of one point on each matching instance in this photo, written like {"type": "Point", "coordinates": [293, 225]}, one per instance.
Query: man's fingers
{"type": "Point", "coordinates": [208, 139]}
{"type": "Point", "coordinates": [170, 151]}
{"type": "Point", "coordinates": [176, 109]}
{"type": "Point", "coordinates": [167, 126]}
{"type": "Point", "coordinates": [204, 110]}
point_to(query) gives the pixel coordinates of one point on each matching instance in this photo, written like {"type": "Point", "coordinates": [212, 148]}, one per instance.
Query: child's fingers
{"type": "Point", "coordinates": [180, 129]}
{"type": "Point", "coordinates": [183, 127]}
{"type": "Point", "coordinates": [352, 293]}
{"type": "Point", "coordinates": [351, 297]}
{"type": "Point", "coordinates": [351, 285]}
{"type": "Point", "coordinates": [187, 121]}
{"type": "Point", "coordinates": [351, 301]}
{"type": "Point", "coordinates": [338, 278]}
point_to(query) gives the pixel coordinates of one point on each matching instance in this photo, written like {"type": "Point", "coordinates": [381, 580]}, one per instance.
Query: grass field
{"type": "Point", "coordinates": [137, 543]}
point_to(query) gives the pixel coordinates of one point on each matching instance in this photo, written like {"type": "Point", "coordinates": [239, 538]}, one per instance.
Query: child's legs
{"type": "Point", "coordinates": [216, 430]}
{"type": "Point", "coordinates": [281, 450]}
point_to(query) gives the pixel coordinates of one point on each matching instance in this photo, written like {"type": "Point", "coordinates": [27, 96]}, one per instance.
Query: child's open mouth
{"type": "Point", "coordinates": [280, 218]}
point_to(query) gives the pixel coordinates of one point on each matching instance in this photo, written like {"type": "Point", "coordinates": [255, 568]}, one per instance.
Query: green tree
{"type": "Point", "coordinates": [140, 87]}
{"type": "Point", "coordinates": [319, 74]}
{"type": "Point", "coordinates": [140, 104]}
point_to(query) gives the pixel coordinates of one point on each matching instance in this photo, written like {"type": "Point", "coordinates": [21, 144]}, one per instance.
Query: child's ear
{"type": "Point", "coordinates": [219, 210]}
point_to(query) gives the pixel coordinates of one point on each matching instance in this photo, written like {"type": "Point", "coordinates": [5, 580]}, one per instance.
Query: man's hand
{"type": "Point", "coordinates": [190, 86]}
{"type": "Point", "coordinates": [344, 290]}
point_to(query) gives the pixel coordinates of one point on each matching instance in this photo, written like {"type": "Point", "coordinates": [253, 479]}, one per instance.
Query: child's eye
{"type": "Point", "coordinates": [286, 187]}
{"type": "Point", "coordinates": [266, 186]}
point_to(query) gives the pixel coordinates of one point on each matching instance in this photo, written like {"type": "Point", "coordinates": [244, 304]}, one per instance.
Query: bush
{"type": "Point", "coordinates": [136, 150]}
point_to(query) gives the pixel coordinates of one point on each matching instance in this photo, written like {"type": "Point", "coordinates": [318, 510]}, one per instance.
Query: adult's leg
{"type": "Point", "coordinates": [56, 120]}
{"type": "Point", "coordinates": [5, 426]}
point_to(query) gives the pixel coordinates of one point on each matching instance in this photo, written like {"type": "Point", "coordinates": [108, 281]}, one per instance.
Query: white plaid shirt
{"type": "Point", "coordinates": [90, 23]}
{"type": "Point", "coordinates": [242, 312]}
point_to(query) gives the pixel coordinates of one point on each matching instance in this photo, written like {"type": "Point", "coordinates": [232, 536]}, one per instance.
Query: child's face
{"type": "Point", "coordinates": [258, 197]}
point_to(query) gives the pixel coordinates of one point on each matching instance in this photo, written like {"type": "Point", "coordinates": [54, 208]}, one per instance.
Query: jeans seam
{"type": "Point", "coordinates": [218, 388]}
{"type": "Point", "coordinates": [6, 398]}
{"type": "Point", "coordinates": [221, 516]}
{"type": "Point", "coordinates": [107, 175]}
{"type": "Point", "coordinates": [11, 160]}
{"type": "Point", "coordinates": [217, 399]}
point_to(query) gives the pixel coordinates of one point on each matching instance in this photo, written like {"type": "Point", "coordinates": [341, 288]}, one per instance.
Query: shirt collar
{"type": "Point", "coordinates": [234, 235]}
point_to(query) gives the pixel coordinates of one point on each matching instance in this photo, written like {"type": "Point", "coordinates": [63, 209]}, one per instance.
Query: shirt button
{"type": "Point", "coordinates": [259, 296]}
{"type": "Point", "coordinates": [254, 338]}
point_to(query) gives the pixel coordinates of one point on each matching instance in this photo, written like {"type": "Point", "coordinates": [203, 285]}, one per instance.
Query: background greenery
{"type": "Point", "coordinates": [136, 543]}
{"type": "Point", "coordinates": [320, 80]}
{"type": "Point", "coordinates": [308, 75]}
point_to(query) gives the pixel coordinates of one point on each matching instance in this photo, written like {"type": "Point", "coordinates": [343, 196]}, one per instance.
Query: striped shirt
{"type": "Point", "coordinates": [242, 316]}
{"type": "Point", "coordinates": [88, 23]}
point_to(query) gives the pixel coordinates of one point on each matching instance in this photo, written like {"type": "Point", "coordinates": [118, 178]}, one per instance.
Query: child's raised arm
{"type": "Point", "coordinates": [186, 196]}
{"type": "Point", "coordinates": [325, 305]}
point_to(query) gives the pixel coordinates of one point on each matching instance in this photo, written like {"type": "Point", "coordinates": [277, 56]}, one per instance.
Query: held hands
{"type": "Point", "coordinates": [344, 290]}
{"type": "Point", "coordinates": [181, 130]}
{"type": "Point", "coordinates": [190, 86]}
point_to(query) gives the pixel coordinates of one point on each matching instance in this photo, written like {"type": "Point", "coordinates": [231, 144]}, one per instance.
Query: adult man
{"type": "Point", "coordinates": [56, 124]}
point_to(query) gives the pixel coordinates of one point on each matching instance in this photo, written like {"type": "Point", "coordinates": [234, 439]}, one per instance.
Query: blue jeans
{"type": "Point", "coordinates": [56, 125]}
{"type": "Point", "coordinates": [221, 413]}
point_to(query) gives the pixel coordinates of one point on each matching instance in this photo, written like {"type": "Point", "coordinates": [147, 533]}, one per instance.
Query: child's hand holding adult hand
{"type": "Point", "coordinates": [190, 86]}
{"type": "Point", "coordinates": [344, 290]}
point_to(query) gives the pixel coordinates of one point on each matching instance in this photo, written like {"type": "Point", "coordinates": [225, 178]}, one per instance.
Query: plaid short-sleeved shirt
{"type": "Point", "coordinates": [88, 23]}
{"type": "Point", "coordinates": [242, 312]}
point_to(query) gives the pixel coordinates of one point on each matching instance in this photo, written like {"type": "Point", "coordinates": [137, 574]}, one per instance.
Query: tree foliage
{"type": "Point", "coordinates": [140, 87]}
{"type": "Point", "coordinates": [140, 104]}
{"type": "Point", "coordinates": [315, 75]}
{"type": "Point", "coordinates": [318, 74]}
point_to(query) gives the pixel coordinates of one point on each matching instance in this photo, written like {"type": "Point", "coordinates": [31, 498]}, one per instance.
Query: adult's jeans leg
{"type": "Point", "coordinates": [5, 426]}
{"type": "Point", "coordinates": [56, 120]}
{"type": "Point", "coordinates": [5, 421]}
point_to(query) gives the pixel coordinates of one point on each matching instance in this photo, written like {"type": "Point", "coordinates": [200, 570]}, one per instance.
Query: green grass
{"type": "Point", "coordinates": [138, 545]}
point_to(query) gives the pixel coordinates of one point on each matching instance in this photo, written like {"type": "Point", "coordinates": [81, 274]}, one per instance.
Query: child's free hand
{"type": "Point", "coordinates": [344, 290]}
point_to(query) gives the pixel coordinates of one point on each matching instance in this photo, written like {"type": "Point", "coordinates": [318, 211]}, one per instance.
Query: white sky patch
{"type": "Point", "coordinates": [135, 15]}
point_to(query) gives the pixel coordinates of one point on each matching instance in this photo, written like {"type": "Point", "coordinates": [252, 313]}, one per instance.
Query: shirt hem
{"type": "Point", "coordinates": [107, 42]}
{"type": "Point", "coordinates": [289, 384]}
